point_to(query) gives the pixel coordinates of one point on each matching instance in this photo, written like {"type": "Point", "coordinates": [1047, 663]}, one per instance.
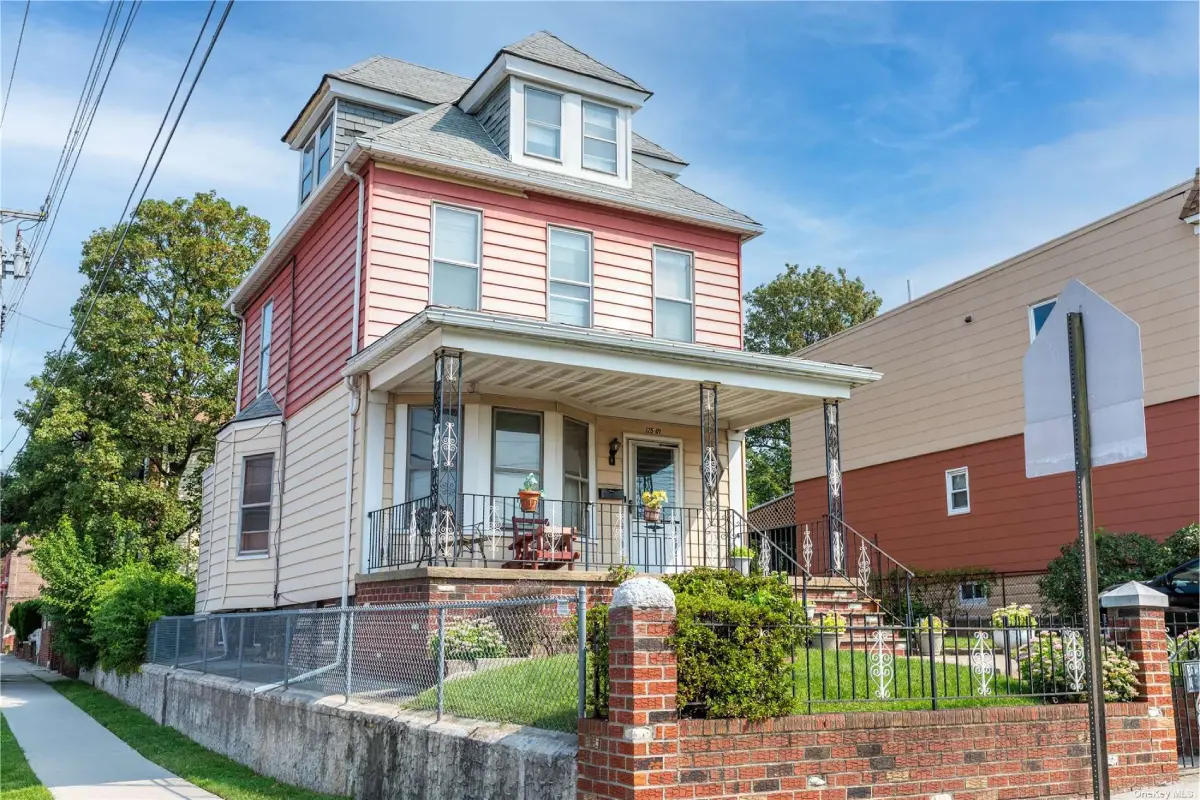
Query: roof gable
{"type": "Point", "coordinates": [546, 48]}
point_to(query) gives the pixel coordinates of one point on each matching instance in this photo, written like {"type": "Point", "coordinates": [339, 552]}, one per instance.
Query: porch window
{"type": "Point", "coordinates": [570, 277]}
{"type": "Point", "coordinates": [672, 295]}
{"type": "Point", "coordinates": [543, 123]}
{"type": "Point", "coordinates": [255, 524]}
{"type": "Point", "coordinates": [575, 461]}
{"type": "Point", "coordinates": [456, 257]}
{"type": "Point", "coordinates": [958, 491]}
{"type": "Point", "coordinates": [420, 452]}
{"type": "Point", "coordinates": [516, 450]}
{"type": "Point", "coordinates": [264, 346]}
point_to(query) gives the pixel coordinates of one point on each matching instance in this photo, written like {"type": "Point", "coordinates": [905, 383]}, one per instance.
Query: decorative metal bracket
{"type": "Point", "coordinates": [833, 483]}
{"type": "Point", "coordinates": [446, 465]}
{"type": "Point", "coordinates": [710, 474]}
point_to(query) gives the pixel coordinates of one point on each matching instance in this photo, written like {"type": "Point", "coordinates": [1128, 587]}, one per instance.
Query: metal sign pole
{"type": "Point", "coordinates": [1087, 539]}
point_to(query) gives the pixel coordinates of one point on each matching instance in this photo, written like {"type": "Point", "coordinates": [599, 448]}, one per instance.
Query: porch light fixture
{"type": "Point", "coordinates": [614, 447]}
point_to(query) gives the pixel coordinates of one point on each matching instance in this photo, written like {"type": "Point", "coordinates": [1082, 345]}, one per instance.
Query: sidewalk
{"type": "Point", "coordinates": [72, 754]}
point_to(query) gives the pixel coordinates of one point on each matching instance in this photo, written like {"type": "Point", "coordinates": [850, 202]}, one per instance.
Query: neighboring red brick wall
{"type": "Point", "coordinates": [1016, 523]}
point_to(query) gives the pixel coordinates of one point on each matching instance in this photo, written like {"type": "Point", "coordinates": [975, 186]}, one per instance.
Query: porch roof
{"type": "Point", "coordinates": [602, 372]}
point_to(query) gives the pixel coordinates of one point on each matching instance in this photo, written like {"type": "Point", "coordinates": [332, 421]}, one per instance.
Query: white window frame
{"type": "Point", "coordinates": [551, 280]}
{"type": "Point", "coordinates": [264, 346]}
{"type": "Point", "coordinates": [541, 470]}
{"type": "Point", "coordinates": [615, 142]}
{"type": "Point", "coordinates": [477, 266]}
{"type": "Point", "coordinates": [1032, 324]}
{"type": "Point", "coordinates": [973, 601]}
{"type": "Point", "coordinates": [656, 296]}
{"type": "Point", "coordinates": [312, 143]}
{"type": "Point", "coordinates": [950, 490]}
{"type": "Point", "coordinates": [525, 124]}
{"type": "Point", "coordinates": [243, 505]}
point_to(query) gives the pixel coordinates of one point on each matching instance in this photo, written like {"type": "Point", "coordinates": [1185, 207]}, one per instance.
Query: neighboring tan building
{"type": "Point", "coordinates": [487, 279]}
{"type": "Point", "coordinates": [933, 454]}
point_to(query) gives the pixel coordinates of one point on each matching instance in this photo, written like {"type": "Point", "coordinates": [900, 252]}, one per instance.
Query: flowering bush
{"type": "Point", "coordinates": [471, 639]}
{"type": "Point", "coordinates": [1014, 616]}
{"type": "Point", "coordinates": [1051, 668]}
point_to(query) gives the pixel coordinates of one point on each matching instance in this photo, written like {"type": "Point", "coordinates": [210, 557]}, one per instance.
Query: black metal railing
{"type": "Point", "coordinates": [829, 546]}
{"type": "Point", "coordinates": [1183, 655]}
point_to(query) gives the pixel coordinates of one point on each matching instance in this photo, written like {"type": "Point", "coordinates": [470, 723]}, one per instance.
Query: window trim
{"type": "Point", "coordinates": [950, 509]}
{"type": "Point", "coordinates": [242, 506]}
{"type": "Point", "coordinates": [313, 141]}
{"type": "Point", "coordinates": [408, 466]}
{"type": "Point", "coordinates": [477, 266]}
{"type": "Point", "coordinates": [616, 141]}
{"type": "Point", "coordinates": [265, 330]}
{"type": "Point", "coordinates": [973, 601]}
{"type": "Point", "coordinates": [655, 248]}
{"type": "Point", "coordinates": [1033, 332]}
{"type": "Point", "coordinates": [525, 123]}
{"type": "Point", "coordinates": [591, 284]}
{"type": "Point", "coordinates": [541, 470]}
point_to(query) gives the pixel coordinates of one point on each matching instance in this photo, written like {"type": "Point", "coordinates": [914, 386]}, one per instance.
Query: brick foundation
{"type": "Point", "coordinates": [471, 584]}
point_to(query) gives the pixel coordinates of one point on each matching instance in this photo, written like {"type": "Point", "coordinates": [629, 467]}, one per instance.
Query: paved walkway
{"type": "Point", "coordinates": [73, 755]}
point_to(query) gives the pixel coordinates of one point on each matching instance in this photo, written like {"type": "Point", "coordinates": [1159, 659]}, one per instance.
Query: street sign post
{"type": "Point", "coordinates": [1084, 408]}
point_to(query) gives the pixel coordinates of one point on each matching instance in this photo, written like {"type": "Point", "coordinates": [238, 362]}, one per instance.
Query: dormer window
{"type": "Point", "coordinates": [599, 137]}
{"type": "Point", "coordinates": [543, 123]}
{"type": "Point", "coordinates": [317, 158]}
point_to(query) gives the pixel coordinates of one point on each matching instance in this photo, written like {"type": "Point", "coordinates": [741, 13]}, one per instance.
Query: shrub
{"type": "Point", "coordinates": [527, 627]}
{"type": "Point", "coordinates": [1185, 646]}
{"type": "Point", "coordinates": [597, 648]}
{"type": "Point", "coordinates": [1182, 546]}
{"type": "Point", "coordinates": [831, 623]}
{"type": "Point", "coordinates": [733, 641]}
{"type": "Point", "coordinates": [741, 551]}
{"type": "Point", "coordinates": [923, 624]}
{"type": "Point", "coordinates": [471, 639]}
{"type": "Point", "coordinates": [1014, 615]}
{"type": "Point", "coordinates": [124, 604]}
{"type": "Point", "coordinates": [25, 618]}
{"type": "Point", "coordinates": [1043, 664]}
{"type": "Point", "coordinates": [1120, 557]}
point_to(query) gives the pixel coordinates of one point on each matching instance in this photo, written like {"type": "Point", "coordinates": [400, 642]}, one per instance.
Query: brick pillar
{"type": "Point", "coordinates": [633, 754]}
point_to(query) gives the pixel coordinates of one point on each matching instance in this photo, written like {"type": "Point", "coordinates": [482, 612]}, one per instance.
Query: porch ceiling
{"type": "Point", "coordinates": [602, 373]}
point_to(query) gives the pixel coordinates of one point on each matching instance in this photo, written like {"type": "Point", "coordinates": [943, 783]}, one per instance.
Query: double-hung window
{"type": "Point", "coordinates": [307, 162]}
{"type": "Point", "coordinates": [516, 450]}
{"type": "Point", "coordinates": [673, 295]}
{"type": "Point", "coordinates": [570, 277]}
{"type": "Point", "coordinates": [324, 149]}
{"type": "Point", "coordinates": [264, 347]}
{"type": "Point", "coordinates": [316, 158]}
{"type": "Point", "coordinates": [576, 474]}
{"type": "Point", "coordinates": [255, 524]}
{"type": "Point", "coordinates": [420, 451]}
{"type": "Point", "coordinates": [543, 123]}
{"type": "Point", "coordinates": [456, 257]}
{"type": "Point", "coordinates": [958, 491]}
{"type": "Point", "coordinates": [599, 138]}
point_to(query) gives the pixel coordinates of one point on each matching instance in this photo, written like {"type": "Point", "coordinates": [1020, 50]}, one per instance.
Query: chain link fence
{"type": "Point", "coordinates": [518, 661]}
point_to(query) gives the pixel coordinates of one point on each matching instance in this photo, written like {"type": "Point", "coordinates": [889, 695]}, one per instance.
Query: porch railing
{"type": "Point", "coordinates": [490, 531]}
{"type": "Point", "coordinates": [829, 546]}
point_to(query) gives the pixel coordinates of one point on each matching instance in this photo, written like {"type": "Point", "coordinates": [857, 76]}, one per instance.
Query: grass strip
{"type": "Point", "coordinates": [17, 780]}
{"type": "Point", "coordinates": [175, 752]}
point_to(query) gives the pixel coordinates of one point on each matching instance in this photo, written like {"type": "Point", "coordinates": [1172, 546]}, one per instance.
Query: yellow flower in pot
{"type": "Point", "coordinates": [652, 503]}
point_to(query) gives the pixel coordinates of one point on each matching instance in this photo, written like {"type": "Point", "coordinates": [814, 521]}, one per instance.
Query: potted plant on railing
{"type": "Point", "coordinates": [1012, 625]}
{"type": "Point", "coordinates": [530, 494]}
{"type": "Point", "coordinates": [741, 557]}
{"type": "Point", "coordinates": [930, 644]}
{"type": "Point", "coordinates": [828, 630]}
{"type": "Point", "coordinates": [652, 503]}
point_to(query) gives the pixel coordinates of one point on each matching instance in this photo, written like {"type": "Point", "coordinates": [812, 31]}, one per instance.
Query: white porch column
{"type": "Point", "coordinates": [373, 449]}
{"type": "Point", "coordinates": [477, 449]}
{"type": "Point", "coordinates": [552, 461]}
{"type": "Point", "coordinates": [737, 471]}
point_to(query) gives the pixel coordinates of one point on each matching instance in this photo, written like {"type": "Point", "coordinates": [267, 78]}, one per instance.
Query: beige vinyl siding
{"type": "Point", "coordinates": [205, 540]}
{"type": "Point", "coordinates": [948, 383]}
{"type": "Point", "coordinates": [310, 553]}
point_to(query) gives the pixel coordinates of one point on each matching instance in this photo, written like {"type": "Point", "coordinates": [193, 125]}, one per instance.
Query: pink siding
{"type": "Point", "coordinates": [279, 292]}
{"type": "Point", "coordinates": [514, 279]}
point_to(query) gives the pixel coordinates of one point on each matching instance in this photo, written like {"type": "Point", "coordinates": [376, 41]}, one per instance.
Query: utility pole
{"type": "Point", "coordinates": [15, 263]}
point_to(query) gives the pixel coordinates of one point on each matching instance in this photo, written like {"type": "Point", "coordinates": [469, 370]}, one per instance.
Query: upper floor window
{"type": "Point", "coordinates": [324, 149]}
{"type": "Point", "coordinates": [306, 170]}
{"type": "Point", "coordinates": [570, 298]}
{"type": "Point", "coordinates": [1038, 314]}
{"type": "Point", "coordinates": [543, 123]}
{"type": "Point", "coordinates": [264, 347]}
{"type": "Point", "coordinates": [673, 295]}
{"type": "Point", "coordinates": [958, 491]}
{"type": "Point", "coordinates": [255, 524]}
{"type": "Point", "coordinates": [599, 138]}
{"type": "Point", "coordinates": [316, 158]}
{"type": "Point", "coordinates": [456, 257]}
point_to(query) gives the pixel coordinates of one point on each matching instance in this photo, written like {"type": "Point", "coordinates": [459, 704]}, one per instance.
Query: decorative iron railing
{"type": "Point", "coordinates": [829, 546]}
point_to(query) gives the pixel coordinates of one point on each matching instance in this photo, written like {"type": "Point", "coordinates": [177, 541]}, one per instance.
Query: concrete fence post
{"type": "Point", "coordinates": [633, 755]}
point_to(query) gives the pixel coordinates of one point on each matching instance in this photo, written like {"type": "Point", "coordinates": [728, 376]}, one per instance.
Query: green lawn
{"type": "Point", "coordinates": [17, 781]}
{"type": "Point", "coordinates": [175, 752]}
{"type": "Point", "coordinates": [540, 693]}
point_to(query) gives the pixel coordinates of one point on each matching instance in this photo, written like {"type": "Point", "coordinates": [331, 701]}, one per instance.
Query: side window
{"type": "Point", "coordinates": [456, 257]}
{"type": "Point", "coordinates": [307, 178]}
{"type": "Point", "coordinates": [264, 347]}
{"type": "Point", "coordinates": [1038, 314]}
{"type": "Point", "coordinates": [543, 123]}
{"type": "Point", "coordinates": [420, 451]}
{"type": "Point", "coordinates": [570, 298]}
{"type": "Point", "coordinates": [255, 523]}
{"type": "Point", "coordinates": [673, 295]}
{"type": "Point", "coordinates": [324, 149]}
{"type": "Point", "coordinates": [974, 593]}
{"type": "Point", "coordinates": [958, 491]}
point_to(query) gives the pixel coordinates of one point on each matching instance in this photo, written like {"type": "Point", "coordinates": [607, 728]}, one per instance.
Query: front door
{"type": "Point", "coordinates": [654, 545]}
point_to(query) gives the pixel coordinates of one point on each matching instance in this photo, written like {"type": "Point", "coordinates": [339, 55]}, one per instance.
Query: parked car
{"type": "Point", "coordinates": [1181, 585]}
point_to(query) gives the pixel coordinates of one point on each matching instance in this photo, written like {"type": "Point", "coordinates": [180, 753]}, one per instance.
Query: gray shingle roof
{"type": "Point", "coordinates": [646, 147]}
{"type": "Point", "coordinates": [410, 80]}
{"type": "Point", "coordinates": [546, 48]}
{"type": "Point", "coordinates": [261, 407]}
{"type": "Point", "coordinates": [448, 132]}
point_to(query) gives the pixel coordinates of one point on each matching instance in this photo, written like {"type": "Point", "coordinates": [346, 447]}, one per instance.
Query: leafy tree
{"type": "Point", "coordinates": [795, 310]}
{"type": "Point", "coordinates": [1183, 545]}
{"type": "Point", "coordinates": [123, 426]}
{"type": "Point", "coordinates": [1120, 557]}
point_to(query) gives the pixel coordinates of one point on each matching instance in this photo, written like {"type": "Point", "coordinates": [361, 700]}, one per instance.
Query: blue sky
{"type": "Point", "coordinates": [905, 141]}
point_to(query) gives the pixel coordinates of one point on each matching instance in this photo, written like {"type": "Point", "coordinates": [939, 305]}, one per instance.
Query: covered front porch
{"type": "Point", "coordinates": [462, 408]}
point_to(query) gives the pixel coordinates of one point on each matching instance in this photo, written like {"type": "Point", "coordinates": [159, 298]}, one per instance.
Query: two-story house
{"type": "Point", "coordinates": [491, 285]}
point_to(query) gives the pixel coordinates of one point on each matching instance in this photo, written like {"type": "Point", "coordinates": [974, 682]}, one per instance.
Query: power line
{"type": "Point", "coordinates": [41, 321]}
{"type": "Point", "coordinates": [13, 69]}
{"type": "Point", "coordinates": [81, 324]}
